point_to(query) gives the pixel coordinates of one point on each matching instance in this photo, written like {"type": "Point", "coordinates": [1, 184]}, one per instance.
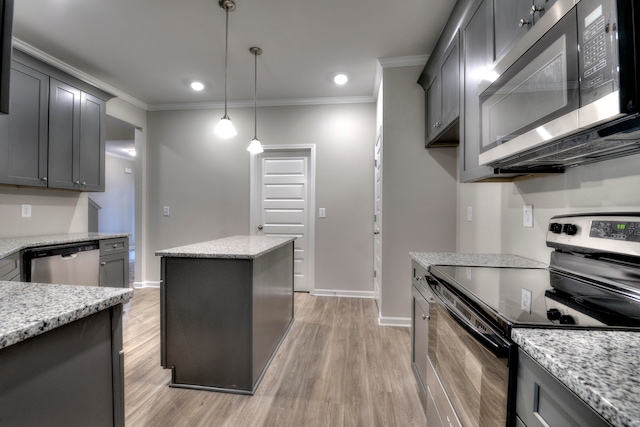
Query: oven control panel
{"type": "Point", "coordinates": [616, 233]}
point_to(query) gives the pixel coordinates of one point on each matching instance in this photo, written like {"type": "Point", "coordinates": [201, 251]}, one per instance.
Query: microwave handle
{"type": "Point", "coordinates": [492, 342]}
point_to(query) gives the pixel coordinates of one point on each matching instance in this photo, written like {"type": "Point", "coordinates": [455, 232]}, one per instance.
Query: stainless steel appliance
{"type": "Point", "coordinates": [567, 93]}
{"type": "Point", "coordinates": [593, 281]}
{"type": "Point", "coordinates": [64, 264]}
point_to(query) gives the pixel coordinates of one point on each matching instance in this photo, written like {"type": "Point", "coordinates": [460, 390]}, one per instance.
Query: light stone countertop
{"type": "Point", "coordinates": [425, 259]}
{"type": "Point", "coordinates": [30, 309]}
{"type": "Point", "coordinates": [235, 247]}
{"type": "Point", "coordinates": [11, 245]}
{"type": "Point", "coordinates": [601, 367]}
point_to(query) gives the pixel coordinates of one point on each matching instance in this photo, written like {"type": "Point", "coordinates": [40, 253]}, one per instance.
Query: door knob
{"type": "Point", "coordinates": [376, 232]}
{"type": "Point", "coordinates": [260, 227]}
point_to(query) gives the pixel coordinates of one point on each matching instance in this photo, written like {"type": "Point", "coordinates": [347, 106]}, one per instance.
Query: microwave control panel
{"type": "Point", "coordinates": [596, 35]}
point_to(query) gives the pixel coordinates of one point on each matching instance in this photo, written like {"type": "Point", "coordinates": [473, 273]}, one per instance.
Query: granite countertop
{"type": "Point", "coordinates": [235, 247]}
{"type": "Point", "coordinates": [425, 259]}
{"type": "Point", "coordinates": [30, 309]}
{"type": "Point", "coordinates": [601, 367]}
{"type": "Point", "coordinates": [9, 246]}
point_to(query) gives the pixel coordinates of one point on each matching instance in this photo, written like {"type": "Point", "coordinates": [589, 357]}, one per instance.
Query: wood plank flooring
{"type": "Point", "coordinates": [336, 367]}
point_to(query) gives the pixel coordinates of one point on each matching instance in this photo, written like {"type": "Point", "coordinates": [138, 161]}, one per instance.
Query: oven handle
{"type": "Point", "coordinates": [493, 343]}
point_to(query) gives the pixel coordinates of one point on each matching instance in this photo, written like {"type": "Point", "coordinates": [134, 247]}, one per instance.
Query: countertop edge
{"type": "Point", "coordinates": [425, 259]}
{"type": "Point", "coordinates": [193, 251]}
{"type": "Point", "coordinates": [17, 244]}
{"type": "Point", "coordinates": [33, 328]}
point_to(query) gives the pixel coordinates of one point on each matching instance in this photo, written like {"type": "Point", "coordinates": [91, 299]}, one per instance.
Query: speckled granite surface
{"type": "Point", "coordinates": [235, 247]}
{"type": "Point", "coordinates": [601, 367]}
{"type": "Point", "coordinates": [425, 259]}
{"type": "Point", "coordinates": [30, 309]}
{"type": "Point", "coordinates": [12, 245]}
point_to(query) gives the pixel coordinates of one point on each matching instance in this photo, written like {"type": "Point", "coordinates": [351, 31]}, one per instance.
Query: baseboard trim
{"type": "Point", "coordinates": [341, 293]}
{"type": "Point", "coordinates": [146, 284]}
{"type": "Point", "coordinates": [395, 321]}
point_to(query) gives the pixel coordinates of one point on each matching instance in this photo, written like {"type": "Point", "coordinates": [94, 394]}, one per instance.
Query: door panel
{"type": "Point", "coordinates": [377, 222]}
{"type": "Point", "coordinates": [284, 204]}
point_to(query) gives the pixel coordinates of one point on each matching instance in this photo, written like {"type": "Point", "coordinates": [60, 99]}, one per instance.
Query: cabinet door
{"type": "Point", "coordinates": [511, 20]}
{"type": "Point", "coordinates": [450, 76]}
{"type": "Point", "coordinates": [114, 270]}
{"type": "Point", "coordinates": [64, 136]}
{"type": "Point", "coordinates": [421, 337]}
{"type": "Point", "coordinates": [475, 62]}
{"type": "Point", "coordinates": [434, 109]}
{"type": "Point", "coordinates": [23, 133]}
{"type": "Point", "coordinates": [92, 143]}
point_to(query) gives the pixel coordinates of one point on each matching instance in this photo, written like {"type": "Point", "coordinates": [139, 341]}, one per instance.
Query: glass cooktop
{"type": "Point", "coordinates": [539, 297]}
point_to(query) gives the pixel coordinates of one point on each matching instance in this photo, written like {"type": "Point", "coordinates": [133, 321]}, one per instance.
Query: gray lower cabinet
{"type": "Point", "coordinates": [10, 268]}
{"type": "Point", "coordinates": [222, 320]}
{"type": "Point", "coordinates": [55, 133]}
{"type": "Point", "coordinates": [114, 263]}
{"type": "Point", "coordinates": [543, 401]}
{"type": "Point", "coordinates": [70, 376]}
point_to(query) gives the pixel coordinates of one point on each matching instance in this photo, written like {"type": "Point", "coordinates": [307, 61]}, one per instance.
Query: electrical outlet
{"type": "Point", "coordinates": [525, 303]}
{"type": "Point", "coordinates": [469, 213]}
{"type": "Point", "coordinates": [25, 211]}
{"type": "Point", "coordinates": [527, 216]}
{"type": "Point", "coordinates": [165, 211]}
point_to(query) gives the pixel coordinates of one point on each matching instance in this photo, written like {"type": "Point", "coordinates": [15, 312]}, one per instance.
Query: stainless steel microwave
{"type": "Point", "coordinates": [567, 93]}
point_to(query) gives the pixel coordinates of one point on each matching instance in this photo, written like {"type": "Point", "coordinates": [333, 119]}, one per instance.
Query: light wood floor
{"type": "Point", "coordinates": [336, 367]}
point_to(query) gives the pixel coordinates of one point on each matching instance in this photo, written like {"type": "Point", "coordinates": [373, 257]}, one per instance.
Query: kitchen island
{"type": "Point", "coordinates": [225, 307]}
{"type": "Point", "coordinates": [61, 359]}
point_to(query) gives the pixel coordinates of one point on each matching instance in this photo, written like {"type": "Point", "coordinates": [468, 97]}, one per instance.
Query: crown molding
{"type": "Point", "coordinates": [404, 61]}
{"type": "Point", "coordinates": [263, 103]}
{"type": "Point", "coordinates": [46, 58]}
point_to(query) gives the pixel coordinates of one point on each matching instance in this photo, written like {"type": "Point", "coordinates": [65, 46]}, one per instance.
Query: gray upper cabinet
{"type": "Point", "coordinates": [443, 100]}
{"type": "Point", "coordinates": [475, 47]}
{"type": "Point", "coordinates": [512, 19]}
{"type": "Point", "coordinates": [24, 133]}
{"type": "Point", "coordinates": [55, 134]}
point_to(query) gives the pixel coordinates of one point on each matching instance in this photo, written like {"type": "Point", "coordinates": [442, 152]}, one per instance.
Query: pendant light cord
{"type": "Point", "coordinates": [255, 95]}
{"type": "Point", "coordinates": [226, 54]}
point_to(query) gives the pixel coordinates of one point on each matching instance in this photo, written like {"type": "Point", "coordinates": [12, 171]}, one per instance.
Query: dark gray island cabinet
{"type": "Point", "coordinates": [225, 307]}
{"type": "Point", "coordinates": [61, 357]}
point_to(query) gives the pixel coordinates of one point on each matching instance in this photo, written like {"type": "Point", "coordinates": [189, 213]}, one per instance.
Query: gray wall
{"type": "Point", "coordinates": [613, 185]}
{"type": "Point", "coordinates": [205, 182]}
{"type": "Point", "coordinates": [52, 212]}
{"type": "Point", "coordinates": [419, 190]}
{"type": "Point", "coordinates": [118, 200]}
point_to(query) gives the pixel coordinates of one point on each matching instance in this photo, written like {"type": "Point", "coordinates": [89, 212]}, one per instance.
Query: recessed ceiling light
{"type": "Point", "coordinates": [197, 86]}
{"type": "Point", "coordinates": [340, 79]}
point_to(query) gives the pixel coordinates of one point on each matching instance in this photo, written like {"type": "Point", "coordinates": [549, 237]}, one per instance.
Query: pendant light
{"type": "Point", "coordinates": [255, 147]}
{"type": "Point", "coordinates": [225, 128]}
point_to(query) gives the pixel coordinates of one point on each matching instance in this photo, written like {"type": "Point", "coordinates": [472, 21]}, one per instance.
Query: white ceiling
{"type": "Point", "coordinates": [151, 49]}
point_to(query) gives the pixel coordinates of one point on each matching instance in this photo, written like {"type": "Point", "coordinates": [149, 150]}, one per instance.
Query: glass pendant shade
{"type": "Point", "coordinates": [255, 147]}
{"type": "Point", "coordinates": [225, 129]}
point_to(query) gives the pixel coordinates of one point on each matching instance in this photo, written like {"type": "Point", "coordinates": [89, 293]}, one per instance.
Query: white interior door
{"type": "Point", "coordinates": [283, 206]}
{"type": "Point", "coordinates": [377, 222]}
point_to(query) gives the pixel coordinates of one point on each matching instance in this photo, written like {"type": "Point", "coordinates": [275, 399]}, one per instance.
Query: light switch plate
{"type": "Point", "coordinates": [165, 211]}
{"type": "Point", "coordinates": [322, 213]}
{"type": "Point", "coordinates": [469, 213]}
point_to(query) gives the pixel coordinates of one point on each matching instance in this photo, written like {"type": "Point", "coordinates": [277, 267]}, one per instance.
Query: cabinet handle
{"type": "Point", "coordinates": [84, 183]}
{"type": "Point", "coordinates": [44, 178]}
{"type": "Point", "coordinates": [535, 9]}
{"type": "Point", "coordinates": [103, 263]}
{"type": "Point", "coordinates": [115, 246]}
{"type": "Point", "coordinates": [260, 227]}
{"type": "Point", "coordinates": [437, 125]}
{"type": "Point", "coordinates": [77, 182]}
{"type": "Point", "coordinates": [426, 317]}
{"type": "Point", "coordinates": [523, 23]}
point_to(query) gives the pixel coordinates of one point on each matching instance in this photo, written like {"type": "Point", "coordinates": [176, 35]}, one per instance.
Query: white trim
{"type": "Point", "coordinates": [395, 321]}
{"type": "Point", "coordinates": [254, 181]}
{"type": "Point", "coordinates": [342, 293]}
{"type": "Point", "coordinates": [55, 62]}
{"type": "Point", "coordinates": [146, 284]}
{"type": "Point", "coordinates": [263, 103]}
{"type": "Point", "coordinates": [404, 61]}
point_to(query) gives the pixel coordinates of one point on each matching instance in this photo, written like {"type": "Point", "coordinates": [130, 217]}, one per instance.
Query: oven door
{"type": "Point", "coordinates": [471, 364]}
{"type": "Point", "coordinates": [535, 99]}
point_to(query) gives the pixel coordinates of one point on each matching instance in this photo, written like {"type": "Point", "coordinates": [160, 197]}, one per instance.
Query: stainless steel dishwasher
{"type": "Point", "coordinates": [76, 264]}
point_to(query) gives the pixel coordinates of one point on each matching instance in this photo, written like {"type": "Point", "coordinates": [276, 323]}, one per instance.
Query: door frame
{"type": "Point", "coordinates": [255, 205]}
